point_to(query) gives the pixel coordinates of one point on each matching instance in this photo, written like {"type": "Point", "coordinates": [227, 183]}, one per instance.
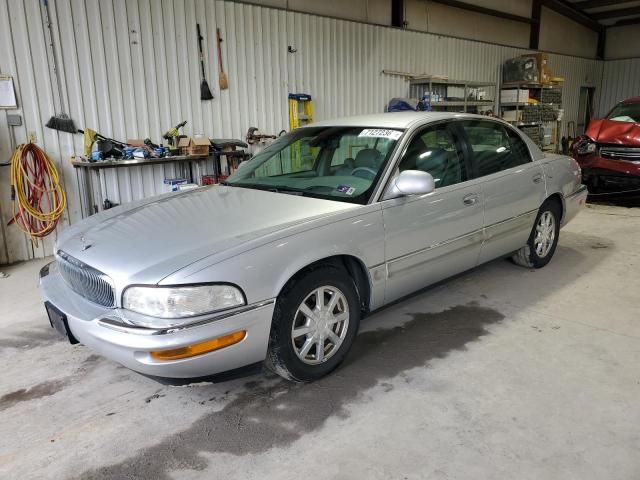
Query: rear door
{"type": "Point", "coordinates": [512, 185]}
{"type": "Point", "coordinates": [431, 237]}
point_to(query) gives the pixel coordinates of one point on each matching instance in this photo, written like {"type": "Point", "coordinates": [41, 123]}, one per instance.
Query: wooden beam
{"type": "Point", "coordinates": [534, 32]}
{"type": "Point", "coordinates": [602, 40]}
{"type": "Point", "coordinates": [594, 4]}
{"type": "Point", "coordinates": [483, 10]}
{"type": "Point", "coordinates": [397, 13]}
{"type": "Point", "coordinates": [621, 12]}
{"type": "Point", "coordinates": [564, 8]}
{"type": "Point", "coordinates": [626, 21]}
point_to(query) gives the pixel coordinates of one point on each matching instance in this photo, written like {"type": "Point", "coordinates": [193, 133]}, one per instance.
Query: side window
{"type": "Point", "coordinates": [519, 148]}
{"type": "Point", "coordinates": [495, 148]}
{"type": "Point", "coordinates": [434, 151]}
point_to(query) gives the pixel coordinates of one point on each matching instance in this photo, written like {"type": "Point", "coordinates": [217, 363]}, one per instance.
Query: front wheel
{"type": "Point", "coordinates": [315, 322]}
{"type": "Point", "coordinates": [543, 239]}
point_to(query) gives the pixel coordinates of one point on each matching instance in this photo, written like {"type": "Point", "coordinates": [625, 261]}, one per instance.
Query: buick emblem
{"type": "Point", "coordinates": [85, 243]}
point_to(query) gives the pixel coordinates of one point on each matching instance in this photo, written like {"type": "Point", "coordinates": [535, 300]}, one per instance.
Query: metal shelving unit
{"type": "Point", "coordinates": [454, 93]}
{"type": "Point", "coordinates": [537, 126]}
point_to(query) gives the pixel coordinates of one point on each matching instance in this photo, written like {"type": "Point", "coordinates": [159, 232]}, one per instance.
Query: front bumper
{"type": "Point", "coordinates": [107, 332]}
{"type": "Point", "coordinates": [604, 172]}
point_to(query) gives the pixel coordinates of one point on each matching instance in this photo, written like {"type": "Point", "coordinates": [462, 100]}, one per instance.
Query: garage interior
{"type": "Point", "coordinates": [498, 372]}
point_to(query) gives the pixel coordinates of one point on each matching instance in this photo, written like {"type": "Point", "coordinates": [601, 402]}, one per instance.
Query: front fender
{"type": "Point", "coordinates": [264, 270]}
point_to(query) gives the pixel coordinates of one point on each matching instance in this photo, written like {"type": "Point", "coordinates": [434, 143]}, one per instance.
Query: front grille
{"type": "Point", "coordinates": [86, 281]}
{"type": "Point", "coordinates": [631, 154]}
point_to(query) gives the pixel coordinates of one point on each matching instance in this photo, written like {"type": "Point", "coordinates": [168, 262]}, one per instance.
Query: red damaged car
{"type": "Point", "coordinates": [609, 151]}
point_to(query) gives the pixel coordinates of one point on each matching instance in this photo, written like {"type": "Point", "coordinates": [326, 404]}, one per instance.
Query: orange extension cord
{"type": "Point", "coordinates": [37, 195]}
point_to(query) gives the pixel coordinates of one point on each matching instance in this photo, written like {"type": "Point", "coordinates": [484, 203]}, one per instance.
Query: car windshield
{"type": "Point", "coordinates": [625, 112]}
{"type": "Point", "coordinates": [335, 163]}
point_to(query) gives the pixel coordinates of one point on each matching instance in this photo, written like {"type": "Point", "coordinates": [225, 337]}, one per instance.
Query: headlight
{"type": "Point", "coordinates": [585, 147]}
{"type": "Point", "coordinates": [181, 301]}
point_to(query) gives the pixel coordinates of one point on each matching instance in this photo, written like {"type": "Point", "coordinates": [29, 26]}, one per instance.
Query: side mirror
{"type": "Point", "coordinates": [411, 182]}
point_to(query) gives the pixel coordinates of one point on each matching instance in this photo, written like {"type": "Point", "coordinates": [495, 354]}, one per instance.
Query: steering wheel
{"type": "Point", "coordinates": [366, 170]}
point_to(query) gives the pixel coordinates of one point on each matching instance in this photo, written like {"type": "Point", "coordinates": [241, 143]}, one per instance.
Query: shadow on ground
{"type": "Point", "coordinates": [272, 412]}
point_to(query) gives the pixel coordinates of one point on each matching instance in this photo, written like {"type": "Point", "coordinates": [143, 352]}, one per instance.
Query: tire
{"type": "Point", "coordinates": [533, 254]}
{"type": "Point", "coordinates": [286, 355]}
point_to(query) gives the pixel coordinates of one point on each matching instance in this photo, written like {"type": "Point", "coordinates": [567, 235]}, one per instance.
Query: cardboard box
{"type": "Point", "coordinates": [512, 115]}
{"type": "Point", "coordinates": [514, 95]}
{"type": "Point", "coordinates": [136, 142]}
{"type": "Point", "coordinates": [194, 146]}
{"type": "Point", "coordinates": [183, 145]}
{"type": "Point", "coordinates": [199, 146]}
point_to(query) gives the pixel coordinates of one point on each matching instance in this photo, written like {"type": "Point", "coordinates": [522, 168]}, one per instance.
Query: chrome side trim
{"type": "Point", "coordinates": [502, 222]}
{"type": "Point", "coordinates": [581, 189]}
{"type": "Point", "coordinates": [435, 245]}
{"type": "Point", "coordinates": [118, 324]}
{"type": "Point", "coordinates": [461, 237]}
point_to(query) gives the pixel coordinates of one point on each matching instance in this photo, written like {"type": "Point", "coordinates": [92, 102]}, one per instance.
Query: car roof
{"type": "Point", "coordinates": [393, 119]}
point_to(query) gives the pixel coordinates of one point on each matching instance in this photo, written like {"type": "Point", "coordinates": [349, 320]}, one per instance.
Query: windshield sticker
{"type": "Point", "coordinates": [380, 133]}
{"type": "Point", "coordinates": [346, 189]}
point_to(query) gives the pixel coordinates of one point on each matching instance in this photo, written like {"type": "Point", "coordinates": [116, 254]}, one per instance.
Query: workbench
{"type": "Point", "coordinates": [93, 191]}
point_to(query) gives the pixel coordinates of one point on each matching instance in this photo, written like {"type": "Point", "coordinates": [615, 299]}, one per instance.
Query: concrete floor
{"type": "Point", "coordinates": [499, 373]}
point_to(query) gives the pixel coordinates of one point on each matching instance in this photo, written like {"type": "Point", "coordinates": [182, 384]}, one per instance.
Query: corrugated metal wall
{"type": "Point", "coordinates": [620, 80]}
{"type": "Point", "coordinates": [130, 70]}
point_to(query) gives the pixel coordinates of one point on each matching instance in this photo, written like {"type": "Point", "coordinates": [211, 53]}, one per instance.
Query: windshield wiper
{"type": "Point", "coordinates": [269, 188]}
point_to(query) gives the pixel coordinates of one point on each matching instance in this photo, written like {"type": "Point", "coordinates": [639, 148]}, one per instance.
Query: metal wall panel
{"type": "Point", "coordinates": [130, 69]}
{"type": "Point", "coordinates": [620, 80]}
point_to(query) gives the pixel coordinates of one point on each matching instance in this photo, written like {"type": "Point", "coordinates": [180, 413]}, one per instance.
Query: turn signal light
{"type": "Point", "coordinates": [200, 348]}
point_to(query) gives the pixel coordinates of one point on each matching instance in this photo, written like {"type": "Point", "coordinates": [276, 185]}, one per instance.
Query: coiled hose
{"type": "Point", "coordinates": [37, 195]}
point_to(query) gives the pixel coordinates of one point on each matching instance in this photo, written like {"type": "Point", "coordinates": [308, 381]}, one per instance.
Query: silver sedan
{"type": "Point", "coordinates": [279, 264]}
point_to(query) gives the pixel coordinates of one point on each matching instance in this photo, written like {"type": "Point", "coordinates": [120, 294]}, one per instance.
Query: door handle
{"type": "Point", "coordinates": [537, 178]}
{"type": "Point", "coordinates": [470, 199]}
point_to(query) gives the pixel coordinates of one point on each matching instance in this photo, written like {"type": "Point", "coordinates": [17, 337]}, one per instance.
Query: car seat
{"type": "Point", "coordinates": [369, 158]}
{"type": "Point", "coordinates": [346, 168]}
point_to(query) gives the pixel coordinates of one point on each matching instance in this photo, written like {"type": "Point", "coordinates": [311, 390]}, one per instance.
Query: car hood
{"type": "Point", "coordinates": [144, 242]}
{"type": "Point", "coordinates": [612, 132]}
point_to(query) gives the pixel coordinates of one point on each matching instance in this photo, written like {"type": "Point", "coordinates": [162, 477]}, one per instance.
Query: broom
{"type": "Point", "coordinates": [224, 83]}
{"type": "Point", "coordinates": [205, 91]}
{"type": "Point", "coordinates": [61, 121]}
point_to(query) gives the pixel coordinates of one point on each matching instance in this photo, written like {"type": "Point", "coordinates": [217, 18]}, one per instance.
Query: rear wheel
{"type": "Point", "coordinates": [314, 325]}
{"type": "Point", "coordinates": [543, 239]}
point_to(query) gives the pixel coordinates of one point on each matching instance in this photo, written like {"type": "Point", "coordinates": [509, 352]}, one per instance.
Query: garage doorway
{"type": "Point", "coordinates": [585, 109]}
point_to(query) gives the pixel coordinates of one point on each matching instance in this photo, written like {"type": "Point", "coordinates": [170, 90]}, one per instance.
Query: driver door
{"type": "Point", "coordinates": [433, 236]}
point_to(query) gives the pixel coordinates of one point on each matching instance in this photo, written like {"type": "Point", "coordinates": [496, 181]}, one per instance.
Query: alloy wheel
{"type": "Point", "coordinates": [545, 234]}
{"type": "Point", "coordinates": [320, 325]}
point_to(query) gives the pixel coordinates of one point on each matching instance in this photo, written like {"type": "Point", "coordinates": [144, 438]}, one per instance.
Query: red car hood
{"type": "Point", "coordinates": [609, 131]}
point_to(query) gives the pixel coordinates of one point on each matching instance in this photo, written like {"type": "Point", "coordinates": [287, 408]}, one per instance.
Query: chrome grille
{"type": "Point", "coordinates": [85, 280]}
{"type": "Point", "coordinates": [631, 154]}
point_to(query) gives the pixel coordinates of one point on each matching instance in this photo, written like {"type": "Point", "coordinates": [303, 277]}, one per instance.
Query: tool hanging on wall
{"type": "Point", "coordinates": [224, 84]}
{"type": "Point", "coordinates": [37, 194]}
{"type": "Point", "coordinates": [60, 121]}
{"type": "Point", "coordinates": [205, 91]}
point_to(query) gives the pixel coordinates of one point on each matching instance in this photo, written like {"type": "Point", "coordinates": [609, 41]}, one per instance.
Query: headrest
{"type": "Point", "coordinates": [367, 158]}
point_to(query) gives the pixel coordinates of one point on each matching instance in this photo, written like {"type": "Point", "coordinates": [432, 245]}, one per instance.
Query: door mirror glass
{"type": "Point", "coordinates": [411, 182]}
